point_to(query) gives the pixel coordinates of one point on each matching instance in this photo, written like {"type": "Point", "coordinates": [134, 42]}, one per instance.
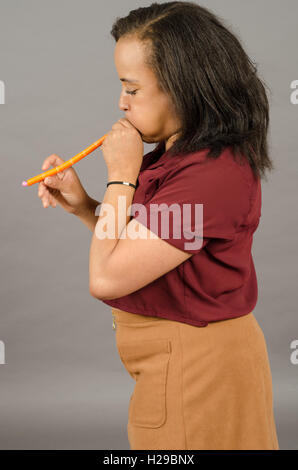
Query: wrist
{"type": "Point", "coordinates": [89, 206]}
{"type": "Point", "coordinates": [122, 177]}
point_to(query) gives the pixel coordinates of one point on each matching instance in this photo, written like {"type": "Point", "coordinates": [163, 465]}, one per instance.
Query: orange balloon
{"type": "Point", "coordinates": [67, 164]}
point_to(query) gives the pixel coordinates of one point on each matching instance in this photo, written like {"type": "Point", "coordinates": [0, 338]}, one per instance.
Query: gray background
{"type": "Point", "coordinates": [63, 385]}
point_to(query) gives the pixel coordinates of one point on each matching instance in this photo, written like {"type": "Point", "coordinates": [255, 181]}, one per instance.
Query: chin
{"type": "Point", "coordinates": [149, 140]}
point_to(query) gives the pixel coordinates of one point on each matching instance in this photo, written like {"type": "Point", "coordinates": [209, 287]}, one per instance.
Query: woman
{"type": "Point", "coordinates": [183, 292]}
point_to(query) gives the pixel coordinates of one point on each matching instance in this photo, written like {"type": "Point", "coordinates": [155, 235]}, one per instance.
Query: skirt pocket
{"type": "Point", "coordinates": [147, 363]}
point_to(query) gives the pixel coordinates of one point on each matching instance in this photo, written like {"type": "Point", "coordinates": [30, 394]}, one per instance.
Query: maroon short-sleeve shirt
{"type": "Point", "coordinates": [219, 281]}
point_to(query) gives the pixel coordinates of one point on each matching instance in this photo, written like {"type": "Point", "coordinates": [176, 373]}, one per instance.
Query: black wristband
{"type": "Point", "coordinates": [122, 182]}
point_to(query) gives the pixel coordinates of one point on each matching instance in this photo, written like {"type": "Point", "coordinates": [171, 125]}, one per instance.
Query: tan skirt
{"type": "Point", "coordinates": [206, 388]}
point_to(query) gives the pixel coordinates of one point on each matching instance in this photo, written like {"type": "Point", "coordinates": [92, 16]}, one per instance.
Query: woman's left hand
{"type": "Point", "coordinates": [123, 151]}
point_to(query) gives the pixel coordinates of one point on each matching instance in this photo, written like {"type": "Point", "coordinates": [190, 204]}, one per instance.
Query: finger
{"type": "Point", "coordinates": [60, 175]}
{"type": "Point", "coordinates": [125, 122]}
{"type": "Point", "coordinates": [48, 202]}
{"type": "Point", "coordinates": [53, 160]}
{"type": "Point", "coordinates": [116, 126]}
{"type": "Point", "coordinates": [51, 201]}
{"type": "Point", "coordinates": [45, 199]}
{"type": "Point", "coordinates": [42, 189]}
{"type": "Point", "coordinates": [52, 182]}
{"type": "Point", "coordinates": [42, 186]}
{"type": "Point", "coordinates": [120, 124]}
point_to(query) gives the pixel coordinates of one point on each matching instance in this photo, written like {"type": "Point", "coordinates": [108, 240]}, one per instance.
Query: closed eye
{"type": "Point", "coordinates": [131, 92]}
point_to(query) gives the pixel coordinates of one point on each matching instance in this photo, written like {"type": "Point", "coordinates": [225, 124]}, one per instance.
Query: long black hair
{"type": "Point", "coordinates": [209, 78]}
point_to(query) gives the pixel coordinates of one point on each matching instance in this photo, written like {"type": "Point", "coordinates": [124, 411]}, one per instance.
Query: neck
{"type": "Point", "coordinates": [169, 142]}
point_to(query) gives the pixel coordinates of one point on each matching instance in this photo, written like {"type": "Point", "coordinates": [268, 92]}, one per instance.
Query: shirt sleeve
{"type": "Point", "coordinates": [196, 202]}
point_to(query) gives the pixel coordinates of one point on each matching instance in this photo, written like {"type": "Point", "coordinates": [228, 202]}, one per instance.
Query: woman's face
{"type": "Point", "coordinates": [148, 109]}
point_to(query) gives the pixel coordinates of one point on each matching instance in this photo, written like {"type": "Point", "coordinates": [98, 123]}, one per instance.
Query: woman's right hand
{"type": "Point", "coordinates": [64, 189]}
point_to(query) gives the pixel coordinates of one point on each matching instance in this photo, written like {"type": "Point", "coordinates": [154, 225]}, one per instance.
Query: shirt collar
{"type": "Point", "coordinates": [156, 158]}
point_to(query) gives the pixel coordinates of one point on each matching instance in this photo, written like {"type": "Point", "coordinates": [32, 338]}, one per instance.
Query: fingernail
{"type": "Point", "coordinates": [48, 180]}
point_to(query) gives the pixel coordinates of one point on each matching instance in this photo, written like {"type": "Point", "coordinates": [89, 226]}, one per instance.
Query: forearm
{"type": "Point", "coordinates": [89, 216]}
{"type": "Point", "coordinates": [111, 222]}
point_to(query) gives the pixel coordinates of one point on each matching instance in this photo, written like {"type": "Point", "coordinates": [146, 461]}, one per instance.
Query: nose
{"type": "Point", "coordinates": [123, 106]}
